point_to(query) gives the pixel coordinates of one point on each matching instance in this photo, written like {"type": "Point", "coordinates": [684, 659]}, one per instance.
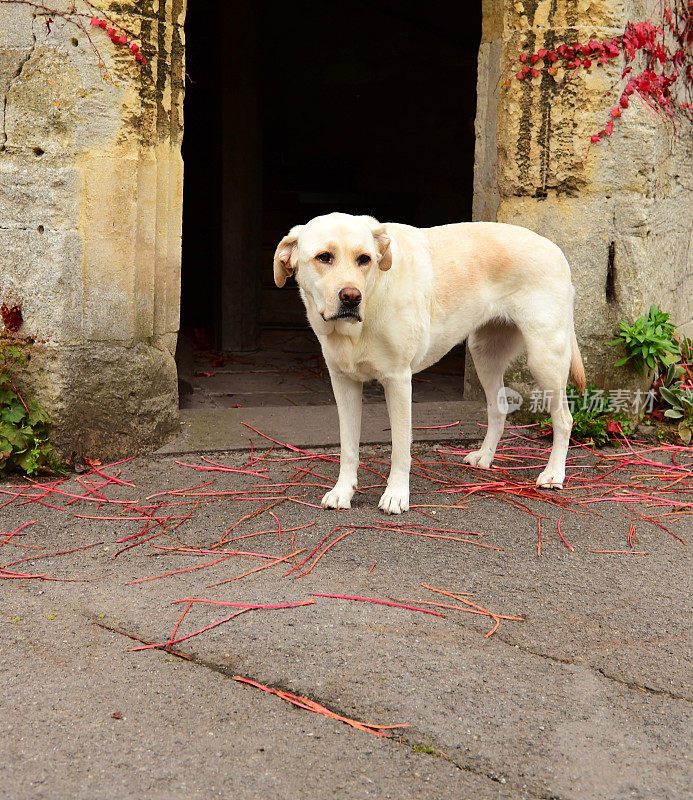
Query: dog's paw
{"type": "Point", "coordinates": [338, 497]}
{"type": "Point", "coordinates": [551, 478]}
{"type": "Point", "coordinates": [479, 458]}
{"type": "Point", "coordinates": [395, 500]}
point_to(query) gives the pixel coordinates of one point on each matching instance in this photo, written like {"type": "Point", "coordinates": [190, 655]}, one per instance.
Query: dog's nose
{"type": "Point", "coordinates": [350, 296]}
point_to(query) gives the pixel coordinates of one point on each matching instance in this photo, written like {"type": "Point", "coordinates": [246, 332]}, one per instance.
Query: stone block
{"type": "Point", "coordinates": [37, 194]}
{"type": "Point", "coordinates": [486, 194]}
{"type": "Point", "coordinates": [106, 400]}
{"type": "Point", "coordinates": [530, 15]}
{"type": "Point", "coordinates": [60, 102]}
{"type": "Point", "coordinates": [109, 219]}
{"type": "Point", "coordinates": [11, 61]}
{"type": "Point", "coordinates": [655, 261]}
{"type": "Point", "coordinates": [16, 26]}
{"type": "Point", "coordinates": [43, 271]}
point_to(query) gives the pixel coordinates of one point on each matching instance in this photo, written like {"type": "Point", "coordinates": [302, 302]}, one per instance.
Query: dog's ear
{"type": "Point", "coordinates": [382, 242]}
{"type": "Point", "coordinates": [286, 256]}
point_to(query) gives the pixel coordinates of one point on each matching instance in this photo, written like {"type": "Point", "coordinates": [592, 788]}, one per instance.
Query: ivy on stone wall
{"type": "Point", "coordinates": [88, 18]}
{"type": "Point", "coordinates": [657, 64]}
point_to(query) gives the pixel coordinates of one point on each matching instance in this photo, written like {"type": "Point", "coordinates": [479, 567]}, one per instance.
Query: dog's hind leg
{"type": "Point", "coordinates": [493, 346]}
{"type": "Point", "coordinates": [549, 361]}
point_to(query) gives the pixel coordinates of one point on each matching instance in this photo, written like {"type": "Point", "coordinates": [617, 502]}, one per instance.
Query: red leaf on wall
{"type": "Point", "coordinates": [11, 317]}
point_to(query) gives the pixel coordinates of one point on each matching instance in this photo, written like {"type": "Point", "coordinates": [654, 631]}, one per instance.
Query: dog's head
{"type": "Point", "coordinates": [335, 258]}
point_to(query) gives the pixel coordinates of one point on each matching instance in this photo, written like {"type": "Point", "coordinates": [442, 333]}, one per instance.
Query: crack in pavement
{"type": "Point", "coordinates": [600, 670]}
{"type": "Point", "coordinates": [469, 766]}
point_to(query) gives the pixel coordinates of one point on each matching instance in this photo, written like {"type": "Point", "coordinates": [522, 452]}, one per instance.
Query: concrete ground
{"type": "Point", "coordinates": [588, 698]}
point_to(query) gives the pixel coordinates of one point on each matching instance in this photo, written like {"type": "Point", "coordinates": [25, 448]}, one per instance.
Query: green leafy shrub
{"type": "Point", "coordinates": [678, 395]}
{"type": "Point", "coordinates": [24, 443]}
{"type": "Point", "coordinates": [649, 342]}
{"type": "Point", "coordinates": [594, 420]}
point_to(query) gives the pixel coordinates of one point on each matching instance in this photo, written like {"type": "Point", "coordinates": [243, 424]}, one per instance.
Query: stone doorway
{"type": "Point", "coordinates": [290, 114]}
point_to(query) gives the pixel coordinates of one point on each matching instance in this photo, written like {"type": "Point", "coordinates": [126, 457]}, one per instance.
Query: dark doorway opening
{"type": "Point", "coordinates": [294, 110]}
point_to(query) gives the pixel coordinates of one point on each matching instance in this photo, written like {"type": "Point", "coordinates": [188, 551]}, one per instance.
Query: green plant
{"type": "Point", "coordinates": [594, 419]}
{"type": "Point", "coordinates": [649, 342]}
{"type": "Point", "coordinates": [679, 397]}
{"type": "Point", "coordinates": [598, 425]}
{"type": "Point", "coordinates": [425, 748]}
{"type": "Point", "coordinates": [24, 442]}
{"type": "Point", "coordinates": [687, 355]}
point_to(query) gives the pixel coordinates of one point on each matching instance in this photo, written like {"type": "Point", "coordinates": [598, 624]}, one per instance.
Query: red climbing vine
{"type": "Point", "coordinates": [86, 20]}
{"type": "Point", "coordinates": [657, 64]}
{"type": "Point", "coordinates": [119, 39]}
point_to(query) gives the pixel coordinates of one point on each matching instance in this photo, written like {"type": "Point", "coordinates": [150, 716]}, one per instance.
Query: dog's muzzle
{"type": "Point", "coordinates": [348, 313]}
{"type": "Point", "coordinates": [350, 300]}
{"type": "Point", "coordinates": [344, 313]}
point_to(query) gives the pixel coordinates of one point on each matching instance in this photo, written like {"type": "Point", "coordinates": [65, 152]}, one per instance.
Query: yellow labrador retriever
{"type": "Point", "coordinates": [388, 300]}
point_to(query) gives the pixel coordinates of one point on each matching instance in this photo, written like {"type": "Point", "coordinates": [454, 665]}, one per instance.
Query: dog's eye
{"type": "Point", "coordinates": [324, 257]}
{"type": "Point", "coordinates": [363, 260]}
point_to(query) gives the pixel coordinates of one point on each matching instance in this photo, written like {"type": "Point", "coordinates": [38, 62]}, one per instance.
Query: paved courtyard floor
{"type": "Point", "coordinates": [558, 670]}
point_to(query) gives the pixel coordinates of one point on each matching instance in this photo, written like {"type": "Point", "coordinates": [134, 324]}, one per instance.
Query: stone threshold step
{"type": "Point", "coordinates": [217, 429]}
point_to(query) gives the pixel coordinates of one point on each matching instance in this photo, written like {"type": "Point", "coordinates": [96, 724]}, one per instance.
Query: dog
{"type": "Point", "coordinates": [389, 300]}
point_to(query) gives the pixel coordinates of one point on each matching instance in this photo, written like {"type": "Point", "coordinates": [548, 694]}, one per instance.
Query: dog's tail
{"type": "Point", "coordinates": [577, 370]}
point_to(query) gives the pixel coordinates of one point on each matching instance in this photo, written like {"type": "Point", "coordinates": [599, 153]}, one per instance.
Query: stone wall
{"type": "Point", "coordinates": [623, 213]}
{"type": "Point", "coordinates": [90, 219]}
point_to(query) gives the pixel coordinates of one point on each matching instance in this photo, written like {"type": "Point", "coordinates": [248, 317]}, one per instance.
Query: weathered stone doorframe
{"type": "Point", "coordinates": [90, 220]}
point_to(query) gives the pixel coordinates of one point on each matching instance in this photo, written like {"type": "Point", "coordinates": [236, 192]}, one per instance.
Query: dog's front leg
{"type": "Point", "coordinates": [347, 393]}
{"type": "Point", "coordinates": [395, 498]}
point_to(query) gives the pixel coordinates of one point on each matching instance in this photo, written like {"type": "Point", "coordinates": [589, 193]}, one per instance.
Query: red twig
{"type": "Point", "coordinates": [317, 708]}
{"type": "Point", "coordinates": [258, 569]}
{"type": "Point", "coordinates": [331, 544]}
{"type": "Point", "coordinates": [558, 525]}
{"type": "Point", "coordinates": [380, 602]}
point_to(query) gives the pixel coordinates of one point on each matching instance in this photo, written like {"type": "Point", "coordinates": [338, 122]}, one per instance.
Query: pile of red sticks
{"type": "Point", "coordinates": [651, 483]}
